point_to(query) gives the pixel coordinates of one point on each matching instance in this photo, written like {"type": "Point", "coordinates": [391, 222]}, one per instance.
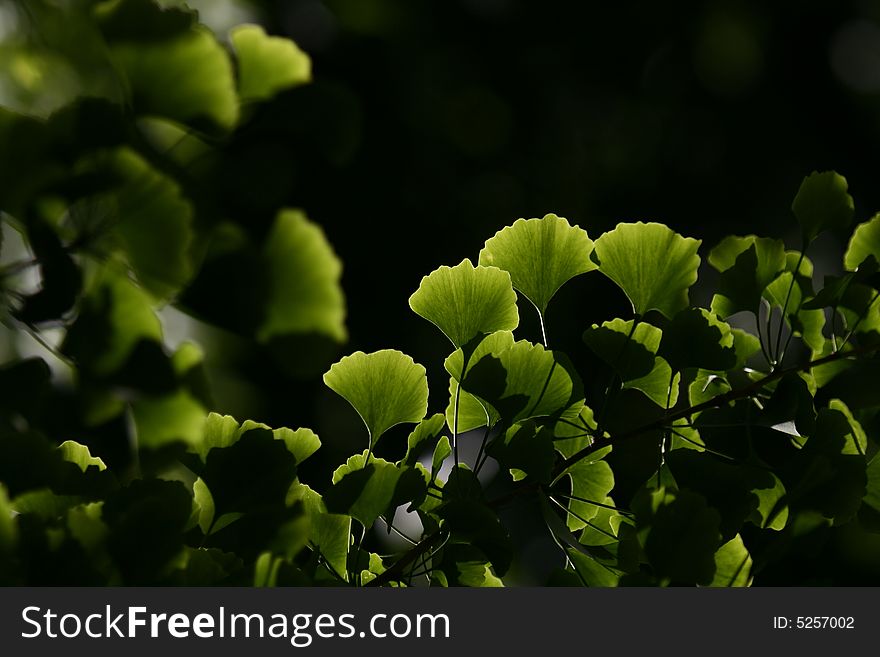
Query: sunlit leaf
{"type": "Point", "coordinates": [525, 381]}
{"type": "Point", "coordinates": [733, 564]}
{"type": "Point", "coordinates": [363, 489]}
{"type": "Point", "coordinates": [80, 455]}
{"type": "Point", "coordinates": [182, 74]}
{"type": "Point", "coordinates": [651, 263]}
{"type": "Point", "coordinates": [267, 64]}
{"type": "Point", "coordinates": [385, 387]}
{"type": "Point", "coordinates": [221, 431]}
{"type": "Point", "coordinates": [304, 273]}
{"type": "Point", "coordinates": [822, 203]}
{"type": "Point", "coordinates": [631, 351]}
{"type": "Point", "coordinates": [540, 255]}
{"type": "Point", "coordinates": [747, 265]}
{"type": "Point", "coordinates": [465, 301]}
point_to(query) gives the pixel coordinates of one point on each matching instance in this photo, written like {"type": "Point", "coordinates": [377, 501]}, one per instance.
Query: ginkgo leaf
{"type": "Point", "coordinates": [473, 413]}
{"type": "Point", "coordinates": [747, 265]}
{"type": "Point", "coordinates": [525, 381]}
{"type": "Point", "coordinates": [697, 338]}
{"type": "Point", "coordinates": [733, 564]}
{"type": "Point", "coordinates": [304, 273]}
{"type": "Point", "coordinates": [267, 64]}
{"type": "Point", "coordinates": [540, 255]}
{"type": "Point", "coordinates": [155, 225]}
{"type": "Point", "coordinates": [187, 77]}
{"type": "Point", "coordinates": [632, 352]}
{"type": "Point", "coordinates": [465, 301]}
{"type": "Point", "coordinates": [865, 242]}
{"type": "Point", "coordinates": [385, 387]}
{"type": "Point", "coordinates": [80, 455]}
{"type": "Point", "coordinates": [651, 263]}
{"type": "Point", "coordinates": [363, 487]}
{"type": "Point", "coordinates": [221, 431]}
{"type": "Point", "coordinates": [114, 317]}
{"type": "Point", "coordinates": [822, 203]}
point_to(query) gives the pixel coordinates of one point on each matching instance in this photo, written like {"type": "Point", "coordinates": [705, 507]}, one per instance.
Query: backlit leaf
{"type": "Point", "coordinates": [304, 273]}
{"type": "Point", "coordinates": [865, 242]}
{"type": "Point", "coordinates": [541, 255]}
{"type": "Point", "coordinates": [822, 203]}
{"type": "Point", "coordinates": [465, 301]}
{"type": "Point", "coordinates": [385, 387]}
{"type": "Point", "coordinates": [747, 265]}
{"type": "Point", "coordinates": [651, 263]}
{"type": "Point", "coordinates": [267, 64]}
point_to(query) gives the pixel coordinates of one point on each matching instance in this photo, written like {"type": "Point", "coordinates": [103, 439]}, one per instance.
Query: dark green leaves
{"type": "Point", "coordinates": [651, 263]}
{"type": "Point", "coordinates": [540, 255]}
{"type": "Point", "coordinates": [822, 203]}
{"type": "Point", "coordinates": [386, 388]}
{"type": "Point", "coordinates": [466, 301]}
{"type": "Point", "coordinates": [679, 534]}
{"type": "Point", "coordinates": [747, 266]}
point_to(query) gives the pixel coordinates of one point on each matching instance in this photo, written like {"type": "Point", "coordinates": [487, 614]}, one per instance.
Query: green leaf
{"type": "Point", "coordinates": [865, 242]}
{"type": "Point", "coordinates": [473, 413]}
{"type": "Point", "coordinates": [747, 265]}
{"type": "Point", "coordinates": [362, 489]}
{"type": "Point", "coordinates": [540, 255]}
{"type": "Point", "coordinates": [425, 433]}
{"type": "Point", "coordinates": [697, 338]}
{"type": "Point", "coordinates": [155, 225]}
{"type": "Point", "coordinates": [466, 301]}
{"type": "Point", "coordinates": [221, 431]}
{"type": "Point", "coordinates": [630, 350]}
{"type": "Point", "coordinates": [114, 317]}
{"type": "Point", "coordinates": [591, 479]}
{"type": "Point", "coordinates": [8, 528]}
{"type": "Point", "coordinates": [169, 418]}
{"type": "Point", "coordinates": [679, 534]}
{"type": "Point", "coordinates": [267, 65]}
{"type": "Point", "coordinates": [80, 455]}
{"type": "Point", "coordinates": [330, 533]}
{"type": "Point", "coordinates": [805, 323]}
{"type": "Point", "coordinates": [385, 387]}
{"type": "Point", "coordinates": [526, 450]}
{"type": "Point", "coordinates": [592, 572]}
{"type": "Point", "coordinates": [822, 203]}
{"type": "Point", "coordinates": [305, 295]}
{"type": "Point", "coordinates": [652, 264]}
{"type": "Point", "coordinates": [525, 381]}
{"type": "Point", "coordinates": [203, 503]}
{"type": "Point", "coordinates": [186, 77]}
{"type": "Point", "coordinates": [733, 564]}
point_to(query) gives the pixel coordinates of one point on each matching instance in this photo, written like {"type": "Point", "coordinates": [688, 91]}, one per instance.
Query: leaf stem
{"type": "Point", "coordinates": [797, 268]}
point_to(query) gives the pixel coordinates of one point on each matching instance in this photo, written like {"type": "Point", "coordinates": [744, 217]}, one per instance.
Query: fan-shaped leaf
{"type": "Point", "coordinates": [465, 301]}
{"type": "Point", "coordinates": [304, 281]}
{"type": "Point", "coordinates": [221, 431]}
{"type": "Point", "coordinates": [747, 265]}
{"type": "Point", "coordinates": [733, 564]}
{"type": "Point", "coordinates": [865, 242]}
{"type": "Point", "coordinates": [385, 387]}
{"type": "Point", "coordinates": [822, 203]}
{"type": "Point", "coordinates": [697, 338]}
{"type": "Point", "coordinates": [267, 64]}
{"type": "Point", "coordinates": [80, 455]}
{"type": "Point", "coordinates": [631, 352]}
{"type": "Point", "coordinates": [540, 255]}
{"type": "Point", "coordinates": [651, 263]}
{"type": "Point", "coordinates": [363, 489]}
{"type": "Point", "coordinates": [187, 77]}
{"type": "Point", "coordinates": [525, 381]}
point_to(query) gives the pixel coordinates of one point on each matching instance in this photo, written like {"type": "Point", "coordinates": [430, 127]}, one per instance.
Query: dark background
{"type": "Point", "coordinates": [433, 124]}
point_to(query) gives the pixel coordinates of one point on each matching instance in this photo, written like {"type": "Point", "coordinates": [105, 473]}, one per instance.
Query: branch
{"type": "Point", "coordinates": [720, 400]}
{"type": "Point", "coordinates": [395, 572]}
